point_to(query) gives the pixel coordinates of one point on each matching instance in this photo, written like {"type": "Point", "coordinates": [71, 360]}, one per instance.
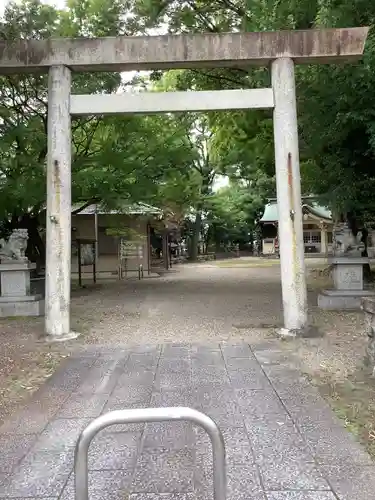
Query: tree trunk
{"type": "Point", "coordinates": [194, 241]}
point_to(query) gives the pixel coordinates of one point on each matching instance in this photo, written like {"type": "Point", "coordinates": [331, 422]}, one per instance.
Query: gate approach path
{"type": "Point", "coordinates": [283, 441]}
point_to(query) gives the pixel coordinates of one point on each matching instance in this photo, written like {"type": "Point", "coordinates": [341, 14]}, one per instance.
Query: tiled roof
{"type": "Point", "coordinates": [271, 213]}
{"type": "Point", "coordinates": [134, 209]}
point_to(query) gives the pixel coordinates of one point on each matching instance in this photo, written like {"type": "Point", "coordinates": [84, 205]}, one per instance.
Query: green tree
{"type": "Point", "coordinates": [231, 215]}
{"type": "Point", "coordinates": [114, 157]}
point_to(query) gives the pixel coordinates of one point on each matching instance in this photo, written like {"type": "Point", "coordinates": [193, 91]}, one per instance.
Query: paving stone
{"type": "Point", "coordinates": [136, 379]}
{"type": "Point", "coordinates": [173, 373]}
{"type": "Point", "coordinates": [164, 471]}
{"type": "Point", "coordinates": [169, 380]}
{"type": "Point", "coordinates": [145, 349]}
{"type": "Point", "coordinates": [114, 451]}
{"type": "Point", "coordinates": [69, 374]}
{"type": "Point", "coordinates": [170, 435]}
{"type": "Point", "coordinates": [319, 426]}
{"type": "Point", "coordinates": [221, 406]}
{"type": "Point", "coordinates": [61, 434]}
{"type": "Point", "coordinates": [165, 398]}
{"type": "Point", "coordinates": [111, 354]}
{"type": "Point", "coordinates": [209, 374]}
{"type": "Point", "coordinates": [274, 439]}
{"type": "Point", "coordinates": [237, 446]}
{"type": "Point", "coordinates": [245, 379]}
{"type": "Point", "coordinates": [203, 348]}
{"type": "Point", "coordinates": [259, 402]}
{"type": "Point", "coordinates": [163, 496]}
{"type": "Point", "coordinates": [329, 441]}
{"type": "Point", "coordinates": [13, 449]}
{"type": "Point", "coordinates": [243, 482]}
{"type": "Point", "coordinates": [290, 385]}
{"type": "Point", "coordinates": [176, 351]}
{"type": "Point", "coordinates": [300, 495]}
{"type": "Point", "coordinates": [174, 364]}
{"type": "Point", "coordinates": [206, 357]}
{"type": "Point", "coordinates": [138, 362]}
{"type": "Point", "coordinates": [105, 484]}
{"type": "Point", "coordinates": [3, 477]}
{"type": "Point", "coordinates": [102, 377]}
{"type": "Point", "coordinates": [175, 462]}
{"type": "Point", "coordinates": [39, 474]}
{"type": "Point", "coordinates": [33, 417]}
{"type": "Point", "coordinates": [269, 353]}
{"type": "Point", "coordinates": [293, 476]}
{"type": "Point", "coordinates": [81, 405]}
{"type": "Point", "coordinates": [351, 481]}
{"type": "Point", "coordinates": [30, 420]}
{"type": "Point", "coordinates": [131, 395]}
{"type": "Point", "coordinates": [236, 350]}
{"type": "Point", "coordinates": [241, 364]}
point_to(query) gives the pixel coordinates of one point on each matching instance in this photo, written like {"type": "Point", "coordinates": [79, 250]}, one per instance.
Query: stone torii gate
{"type": "Point", "coordinates": [279, 50]}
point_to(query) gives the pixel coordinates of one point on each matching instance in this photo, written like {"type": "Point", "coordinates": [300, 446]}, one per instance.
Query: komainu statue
{"type": "Point", "coordinates": [14, 249]}
{"type": "Point", "coordinates": [345, 243]}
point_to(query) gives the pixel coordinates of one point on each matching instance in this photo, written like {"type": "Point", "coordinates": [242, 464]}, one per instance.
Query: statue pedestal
{"type": "Point", "coordinates": [15, 296]}
{"type": "Point", "coordinates": [348, 284]}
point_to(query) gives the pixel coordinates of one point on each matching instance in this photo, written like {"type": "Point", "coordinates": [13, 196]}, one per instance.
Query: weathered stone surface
{"type": "Point", "coordinates": [39, 474]}
{"type": "Point", "coordinates": [282, 440]}
{"type": "Point", "coordinates": [164, 471]}
{"type": "Point", "coordinates": [183, 51]}
{"type": "Point", "coordinates": [292, 476]}
{"type": "Point", "coordinates": [114, 451]}
{"type": "Point", "coordinates": [351, 481]}
{"type": "Point", "coordinates": [172, 435]}
{"type": "Point", "coordinates": [13, 450]}
{"type": "Point", "coordinates": [300, 495]}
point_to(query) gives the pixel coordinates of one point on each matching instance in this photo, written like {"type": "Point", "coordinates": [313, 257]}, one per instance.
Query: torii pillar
{"type": "Point", "coordinates": [288, 186]}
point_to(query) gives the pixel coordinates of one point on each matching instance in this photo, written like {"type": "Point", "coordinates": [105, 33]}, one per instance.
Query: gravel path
{"type": "Point", "coordinates": [192, 304]}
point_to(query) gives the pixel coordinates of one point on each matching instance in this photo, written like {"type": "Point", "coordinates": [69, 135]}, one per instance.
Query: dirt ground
{"type": "Point", "coordinates": [201, 303]}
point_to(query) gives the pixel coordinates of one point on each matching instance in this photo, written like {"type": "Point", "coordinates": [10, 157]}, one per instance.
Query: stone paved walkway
{"type": "Point", "coordinates": [282, 440]}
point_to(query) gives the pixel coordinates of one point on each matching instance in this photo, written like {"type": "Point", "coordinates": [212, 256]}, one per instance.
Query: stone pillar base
{"type": "Point", "coordinates": [16, 298]}
{"type": "Point", "coordinates": [32, 305]}
{"type": "Point", "coordinates": [61, 338]}
{"type": "Point", "coordinates": [342, 299]}
{"type": "Point", "coordinates": [306, 332]}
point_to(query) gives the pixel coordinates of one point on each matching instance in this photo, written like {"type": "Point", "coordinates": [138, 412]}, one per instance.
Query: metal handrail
{"type": "Point", "coordinates": [141, 415]}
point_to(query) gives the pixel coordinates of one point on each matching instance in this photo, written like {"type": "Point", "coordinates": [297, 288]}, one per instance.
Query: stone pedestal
{"type": "Point", "coordinates": [348, 284]}
{"type": "Point", "coordinates": [15, 295]}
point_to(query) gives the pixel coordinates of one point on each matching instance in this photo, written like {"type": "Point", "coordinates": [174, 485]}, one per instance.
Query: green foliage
{"type": "Point", "coordinates": [116, 157]}
{"type": "Point", "coordinates": [335, 103]}
{"type": "Point", "coordinates": [172, 160]}
{"type": "Point", "coordinates": [230, 214]}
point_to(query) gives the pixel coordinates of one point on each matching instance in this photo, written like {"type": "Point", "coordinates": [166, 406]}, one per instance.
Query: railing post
{"type": "Point", "coordinates": [150, 415]}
